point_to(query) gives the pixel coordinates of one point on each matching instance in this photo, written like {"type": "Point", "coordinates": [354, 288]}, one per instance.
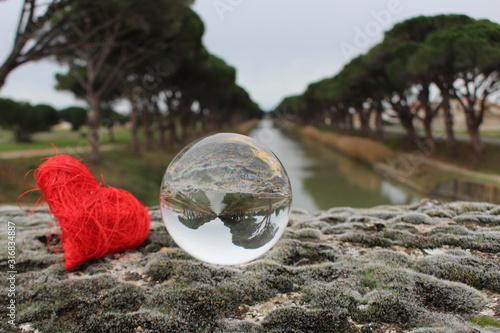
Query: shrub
{"type": "Point", "coordinates": [25, 119]}
{"type": "Point", "coordinates": [75, 115]}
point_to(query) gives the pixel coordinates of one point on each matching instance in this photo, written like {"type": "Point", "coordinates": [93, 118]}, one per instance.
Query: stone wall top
{"type": "Point", "coordinates": [430, 267]}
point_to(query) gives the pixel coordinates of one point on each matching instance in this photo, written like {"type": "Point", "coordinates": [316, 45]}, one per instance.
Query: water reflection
{"type": "Point", "coordinates": [322, 178]}
{"type": "Point", "coordinates": [250, 219]}
{"type": "Point", "coordinates": [225, 199]}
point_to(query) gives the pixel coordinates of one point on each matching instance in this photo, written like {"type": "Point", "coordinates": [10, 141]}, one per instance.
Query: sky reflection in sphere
{"type": "Point", "coordinates": [225, 199]}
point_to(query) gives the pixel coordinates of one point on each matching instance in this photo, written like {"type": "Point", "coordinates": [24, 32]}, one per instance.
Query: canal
{"type": "Point", "coordinates": [322, 178]}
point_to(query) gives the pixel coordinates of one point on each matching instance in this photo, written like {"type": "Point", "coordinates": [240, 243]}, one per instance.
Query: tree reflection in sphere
{"type": "Point", "coordinates": [225, 199]}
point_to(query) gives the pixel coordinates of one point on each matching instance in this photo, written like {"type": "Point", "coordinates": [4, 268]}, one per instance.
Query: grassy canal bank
{"type": "Point", "coordinates": [430, 170]}
{"type": "Point", "coordinates": [140, 175]}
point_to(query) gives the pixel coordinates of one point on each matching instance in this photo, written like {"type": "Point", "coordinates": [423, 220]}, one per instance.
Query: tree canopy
{"type": "Point", "coordinates": [454, 55]}
{"type": "Point", "coordinates": [148, 52]}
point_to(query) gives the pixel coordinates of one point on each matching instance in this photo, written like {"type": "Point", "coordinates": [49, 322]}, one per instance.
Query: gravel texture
{"type": "Point", "coordinates": [428, 268]}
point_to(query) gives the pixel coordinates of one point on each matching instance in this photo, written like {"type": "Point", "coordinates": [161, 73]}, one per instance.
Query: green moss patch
{"type": "Point", "coordinates": [484, 321]}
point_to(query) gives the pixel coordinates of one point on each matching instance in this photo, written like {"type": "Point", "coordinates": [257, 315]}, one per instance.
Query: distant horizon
{"type": "Point", "coordinates": [277, 48]}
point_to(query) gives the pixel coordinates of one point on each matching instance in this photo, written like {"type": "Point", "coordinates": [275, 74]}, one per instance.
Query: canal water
{"type": "Point", "coordinates": [322, 178]}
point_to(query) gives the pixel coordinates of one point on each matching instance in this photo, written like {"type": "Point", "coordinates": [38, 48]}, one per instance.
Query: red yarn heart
{"type": "Point", "coordinates": [95, 221]}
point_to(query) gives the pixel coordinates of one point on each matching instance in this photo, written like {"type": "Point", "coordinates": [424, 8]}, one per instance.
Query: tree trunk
{"type": "Point", "coordinates": [335, 123]}
{"type": "Point", "coordinates": [473, 130]}
{"type": "Point", "coordinates": [340, 119]}
{"type": "Point", "coordinates": [406, 120]}
{"type": "Point", "coordinates": [172, 130]}
{"type": "Point", "coordinates": [349, 124]}
{"type": "Point", "coordinates": [429, 114]}
{"type": "Point", "coordinates": [198, 124]}
{"type": "Point", "coordinates": [7, 67]}
{"type": "Point", "coordinates": [3, 75]}
{"type": "Point", "coordinates": [185, 119]}
{"type": "Point", "coordinates": [134, 121]}
{"type": "Point", "coordinates": [379, 122]}
{"type": "Point", "coordinates": [410, 130]}
{"type": "Point", "coordinates": [109, 124]}
{"type": "Point", "coordinates": [20, 135]}
{"type": "Point", "coordinates": [111, 134]}
{"type": "Point", "coordinates": [428, 129]}
{"type": "Point", "coordinates": [148, 131]}
{"type": "Point", "coordinates": [364, 118]}
{"type": "Point", "coordinates": [171, 124]}
{"type": "Point", "coordinates": [93, 118]}
{"type": "Point", "coordinates": [475, 139]}
{"type": "Point", "coordinates": [451, 142]}
{"type": "Point", "coordinates": [161, 125]}
{"type": "Point", "coordinates": [474, 118]}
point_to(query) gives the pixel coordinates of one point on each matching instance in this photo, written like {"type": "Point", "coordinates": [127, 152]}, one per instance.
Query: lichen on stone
{"type": "Point", "coordinates": [422, 268]}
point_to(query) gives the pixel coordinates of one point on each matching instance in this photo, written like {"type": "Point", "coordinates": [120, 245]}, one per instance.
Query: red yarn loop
{"type": "Point", "coordinates": [95, 221]}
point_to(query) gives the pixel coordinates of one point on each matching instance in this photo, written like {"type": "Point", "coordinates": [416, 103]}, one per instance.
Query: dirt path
{"type": "Point", "coordinates": [51, 151]}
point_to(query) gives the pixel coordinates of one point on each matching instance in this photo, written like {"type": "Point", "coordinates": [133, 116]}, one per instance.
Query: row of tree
{"type": "Point", "coordinates": [148, 52]}
{"type": "Point", "coordinates": [25, 119]}
{"type": "Point", "coordinates": [420, 66]}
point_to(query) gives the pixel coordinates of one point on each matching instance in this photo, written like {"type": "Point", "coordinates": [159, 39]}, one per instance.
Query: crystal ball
{"type": "Point", "coordinates": [225, 199]}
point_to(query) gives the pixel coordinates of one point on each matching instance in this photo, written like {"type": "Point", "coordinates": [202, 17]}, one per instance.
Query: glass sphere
{"type": "Point", "coordinates": [225, 199]}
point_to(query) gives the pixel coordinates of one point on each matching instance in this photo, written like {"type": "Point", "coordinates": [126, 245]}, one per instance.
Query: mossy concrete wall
{"type": "Point", "coordinates": [430, 267]}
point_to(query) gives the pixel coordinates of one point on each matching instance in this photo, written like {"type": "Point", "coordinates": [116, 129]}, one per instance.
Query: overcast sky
{"type": "Point", "coordinates": [277, 46]}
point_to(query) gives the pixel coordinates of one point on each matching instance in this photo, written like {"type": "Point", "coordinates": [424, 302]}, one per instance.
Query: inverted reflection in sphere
{"type": "Point", "coordinates": [225, 199]}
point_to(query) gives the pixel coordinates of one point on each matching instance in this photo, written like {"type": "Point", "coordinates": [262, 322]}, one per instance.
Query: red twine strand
{"type": "Point", "coordinates": [95, 221]}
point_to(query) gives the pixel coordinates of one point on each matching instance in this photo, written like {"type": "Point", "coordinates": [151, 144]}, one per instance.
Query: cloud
{"type": "Point", "coordinates": [277, 47]}
{"type": "Point", "coordinates": [34, 82]}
